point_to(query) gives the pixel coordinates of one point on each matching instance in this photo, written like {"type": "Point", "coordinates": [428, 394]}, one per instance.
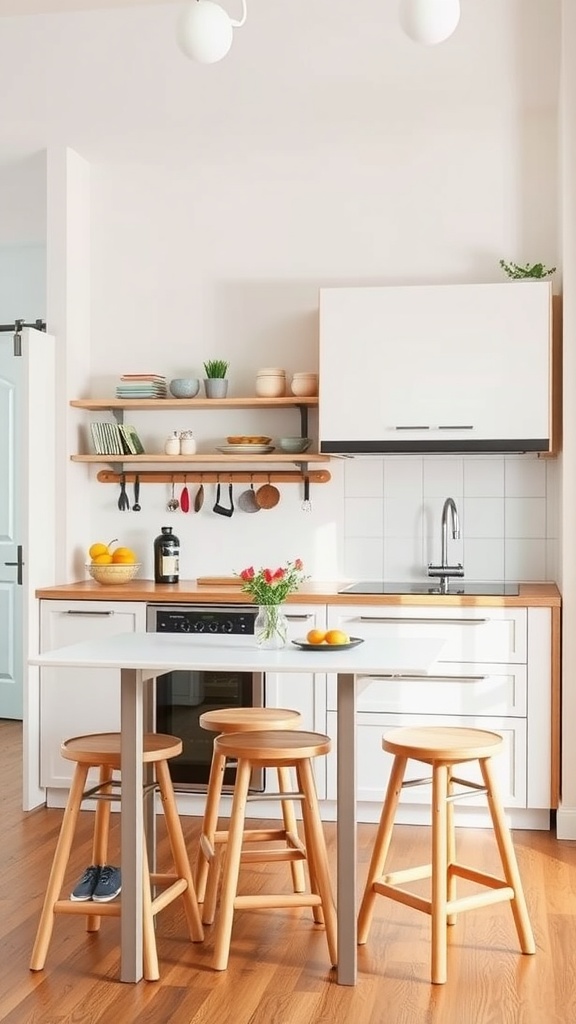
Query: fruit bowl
{"type": "Point", "coordinates": [114, 574]}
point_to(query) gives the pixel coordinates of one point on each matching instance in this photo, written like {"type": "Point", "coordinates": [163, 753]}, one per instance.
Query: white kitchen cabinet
{"type": "Point", "coordinates": [302, 691]}
{"type": "Point", "coordinates": [436, 368]}
{"type": "Point", "coordinates": [494, 672]}
{"type": "Point", "coordinates": [78, 701]}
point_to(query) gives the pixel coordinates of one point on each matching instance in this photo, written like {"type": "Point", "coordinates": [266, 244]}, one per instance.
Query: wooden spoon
{"type": "Point", "coordinates": [199, 498]}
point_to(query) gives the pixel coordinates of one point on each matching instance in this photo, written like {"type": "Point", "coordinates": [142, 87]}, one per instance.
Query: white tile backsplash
{"type": "Point", "coordinates": [508, 508]}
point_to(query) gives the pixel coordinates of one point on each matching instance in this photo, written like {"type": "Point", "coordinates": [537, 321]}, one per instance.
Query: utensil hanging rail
{"type": "Point", "coordinates": [315, 476]}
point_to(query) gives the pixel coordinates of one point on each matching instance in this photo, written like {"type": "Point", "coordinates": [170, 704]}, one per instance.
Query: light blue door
{"type": "Point", "coordinates": [11, 531]}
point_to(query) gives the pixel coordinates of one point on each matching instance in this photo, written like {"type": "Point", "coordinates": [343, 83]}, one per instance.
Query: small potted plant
{"type": "Point", "coordinates": [215, 383]}
{"type": "Point", "coordinates": [527, 272]}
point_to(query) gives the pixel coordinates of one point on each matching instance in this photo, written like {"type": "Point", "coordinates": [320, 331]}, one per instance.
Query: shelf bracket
{"type": "Point", "coordinates": [303, 420]}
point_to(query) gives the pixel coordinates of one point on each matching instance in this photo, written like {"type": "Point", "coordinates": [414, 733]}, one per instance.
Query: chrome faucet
{"type": "Point", "coordinates": [444, 571]}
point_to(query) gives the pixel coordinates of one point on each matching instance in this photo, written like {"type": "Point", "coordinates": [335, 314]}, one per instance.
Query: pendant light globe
{"type": "Point", "coordinates": [204, 31]}
{"type": "Point", "coordinates": [429, 21]}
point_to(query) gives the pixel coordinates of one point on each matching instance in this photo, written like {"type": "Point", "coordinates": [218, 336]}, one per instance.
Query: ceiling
{"type": "Point", "coordinates": [13, 7]}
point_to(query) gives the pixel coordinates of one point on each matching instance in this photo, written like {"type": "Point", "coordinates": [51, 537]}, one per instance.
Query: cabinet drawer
{"type": "Point", "coordinates": [458, 689]}
{"type": "Point", "coordinates": [373, 765]}
{"type": "Point", "coordinates": [480, 635]}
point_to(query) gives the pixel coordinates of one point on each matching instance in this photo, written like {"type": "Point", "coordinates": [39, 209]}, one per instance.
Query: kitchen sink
{"type": "Point", "coordinates": [431, 586]}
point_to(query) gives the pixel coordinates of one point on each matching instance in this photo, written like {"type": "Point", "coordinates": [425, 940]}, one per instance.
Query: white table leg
{"type": "Point", "coordinates": [132, 824]}
{"type": "Point", "coordinates": [346, 830]}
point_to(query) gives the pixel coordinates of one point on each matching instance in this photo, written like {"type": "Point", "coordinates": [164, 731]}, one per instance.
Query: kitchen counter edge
{"type": "Point", "coordinates": [532, 595]}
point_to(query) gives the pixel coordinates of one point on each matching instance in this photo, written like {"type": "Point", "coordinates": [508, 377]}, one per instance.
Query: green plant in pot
{"type": "Point", "coordinates": [215, 382]}
{"type": "Point", "coordinates": [529, 271]}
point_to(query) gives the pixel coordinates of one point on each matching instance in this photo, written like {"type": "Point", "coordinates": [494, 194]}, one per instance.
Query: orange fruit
{"type": "Point", "coordinates": [104, 559]}
{"type": "Point", "coordinates": [316, 636]}
{"type": "Point", "coordinates": [336, 636]}
{"type": "Point", "coordinates": [97, 549]}
{"type": "Point", "coordinates": [123, 556]}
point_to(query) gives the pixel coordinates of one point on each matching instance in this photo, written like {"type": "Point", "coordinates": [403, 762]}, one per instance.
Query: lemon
{"type": "Point", "coordinates": [100, 549]}
{"type": "Point", "coordinates": [316, 636]}
{"type": "Point", "coordinates": [336, 636]}
{"type": "Point", "coordinates": [103, 559]}
{"type": "Point", "coordinates": [123, 556]}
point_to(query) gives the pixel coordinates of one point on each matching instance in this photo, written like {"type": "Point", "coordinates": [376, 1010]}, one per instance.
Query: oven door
{"type": "Point", "coordinates": [181, 697]}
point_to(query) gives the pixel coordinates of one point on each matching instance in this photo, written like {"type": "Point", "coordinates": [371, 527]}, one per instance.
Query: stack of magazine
{"type": "Point", "coordinates": [142, 385]}
{"type": "Point", "coordinates": [115, 439]}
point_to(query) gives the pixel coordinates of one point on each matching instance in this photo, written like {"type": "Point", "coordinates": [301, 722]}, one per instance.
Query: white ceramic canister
{"type": "Point", "coordinates": [305, 385]}
{"type": "Point", "coordinates": [172, 445]}
{"type": "Point", "coordinates": [187, 443]}
{"type": "Point", "coordinates": [271, 382]}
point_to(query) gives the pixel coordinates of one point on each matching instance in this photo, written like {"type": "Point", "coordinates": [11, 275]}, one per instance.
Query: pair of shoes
{"type": "Point", "coordinates": [98, 883]}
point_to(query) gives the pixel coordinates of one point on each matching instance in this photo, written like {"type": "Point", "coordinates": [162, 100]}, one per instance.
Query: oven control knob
{"type": "Point", "coordinates": [213, 627]}
{"type": "Point", "coordinates": [185, 626]}
{"type": "Point", "coordinates": [198, 627]}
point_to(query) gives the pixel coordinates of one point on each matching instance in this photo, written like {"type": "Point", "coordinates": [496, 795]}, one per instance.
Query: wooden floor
{"type": "Point", "coordinates": [278, 971]}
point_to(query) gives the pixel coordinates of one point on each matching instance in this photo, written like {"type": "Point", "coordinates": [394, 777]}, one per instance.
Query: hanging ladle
{"type": "Point", "coordinates": [136, 507]}
{"type": "Point", "coordinates": [173, 504]}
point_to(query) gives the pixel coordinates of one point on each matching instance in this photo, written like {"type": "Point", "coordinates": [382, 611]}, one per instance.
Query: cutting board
{"type": "Point", "coordinates": [219, 581]}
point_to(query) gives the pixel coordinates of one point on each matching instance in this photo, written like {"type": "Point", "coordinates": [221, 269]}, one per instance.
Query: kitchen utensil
{"type": "Point", "coordinates": [306, 504]}
{"type": "Point", "coordinates": [268, 495]}
{"type": "Point", "coordinates": [136, 507]}
{"type": "Point", "coordinates": [185, 498]}
{"type": "Point", "coordinates": [247, 500]}
{"type": "Point", "coordinates": [220, 509]}
{"type": "Point", "coordinates": [172, 504]}
{"type": "Point", "coordinates": [199, 499]}
{"type": "Point", "coordinates": [123, 499]}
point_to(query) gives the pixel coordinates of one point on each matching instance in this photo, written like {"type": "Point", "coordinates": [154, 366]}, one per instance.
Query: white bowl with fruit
{"type": "Point", "coordinates": [112, 566]}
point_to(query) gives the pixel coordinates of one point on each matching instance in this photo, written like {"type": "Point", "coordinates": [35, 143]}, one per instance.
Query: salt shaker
{"type": "Point", "coordinates": [187, 443]}
{"type": "Point", "coordinates": [172, 445]}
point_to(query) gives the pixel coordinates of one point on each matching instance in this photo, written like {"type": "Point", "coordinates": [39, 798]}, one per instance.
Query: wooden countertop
{"type": "Point", "coordinates": [531, 595]}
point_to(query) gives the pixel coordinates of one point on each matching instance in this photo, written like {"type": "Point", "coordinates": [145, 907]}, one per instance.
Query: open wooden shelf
{"type": "Point", "coordinates": [96, 404]}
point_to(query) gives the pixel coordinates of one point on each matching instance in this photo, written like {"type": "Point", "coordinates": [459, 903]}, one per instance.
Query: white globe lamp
{"type": "Point", "coordinates": [429, 21]}
{"type": "Point", "coordinates": [205, 31]}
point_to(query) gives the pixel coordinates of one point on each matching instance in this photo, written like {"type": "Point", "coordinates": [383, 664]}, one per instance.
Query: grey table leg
{"type": "Point", "coordinates": [346, 830]}
{"type": "Point", "coordinates": [131, 825]}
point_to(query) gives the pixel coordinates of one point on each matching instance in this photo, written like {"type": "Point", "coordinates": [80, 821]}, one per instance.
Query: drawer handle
{"type": "Point", "coordinates": [89, 613]}
{"type": "Point", "coordinates": [299, 618]}
{"type": "Point", "coordinates": [431, 620]}
{"type": "Point", "coordinates": [434, 679]}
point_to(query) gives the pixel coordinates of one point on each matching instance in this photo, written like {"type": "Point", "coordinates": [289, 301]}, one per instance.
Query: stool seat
{"type": "Point", "coordinates": [102, 751]}
{"type": "Point", "coordinates": [282, 749]}
{"type": "Point", "coordinates": [212, 842]}
{"type": "Point", "coordinates": [443, 748]}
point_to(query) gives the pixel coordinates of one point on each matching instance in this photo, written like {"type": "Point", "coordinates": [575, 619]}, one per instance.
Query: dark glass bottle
{"type": "Point", "coordinates": [166, 557]}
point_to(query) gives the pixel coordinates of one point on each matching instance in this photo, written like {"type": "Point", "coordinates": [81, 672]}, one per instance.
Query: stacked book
{"type": "Point", "coordinates": [142, 385]}
{"type": "Point", "coordinates": [115, 439]}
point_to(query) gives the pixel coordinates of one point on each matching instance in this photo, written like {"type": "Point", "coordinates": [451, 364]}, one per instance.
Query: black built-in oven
{"type": "Point", "coordinates": [182, 696]}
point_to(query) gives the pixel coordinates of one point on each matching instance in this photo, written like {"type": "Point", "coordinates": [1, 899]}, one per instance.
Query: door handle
{"type": "Point", "coordinates": [19, 563]}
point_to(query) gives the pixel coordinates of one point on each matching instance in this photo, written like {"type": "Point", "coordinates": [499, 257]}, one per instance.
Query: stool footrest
{"type": "Point", "coordinates": [406, 875]}
{"type": "Point", "coordinates": [167, 896]}
{"type": "Point", "coordinates": [277, 900]}
{"type": "Point", "coordinates": [272, 856]}
{"type": "Point", "coordinates": [87, 908]}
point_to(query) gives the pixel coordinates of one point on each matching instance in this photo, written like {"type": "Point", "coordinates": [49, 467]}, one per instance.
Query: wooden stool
{"type": "Point", "coordinates": [102, 751]}
{"type": "Point", "coordinates": [276, 749]}
{"type": "Point", "coordinates": [442, 748]}
{"type": "Point", "coordinates": [212, 842]}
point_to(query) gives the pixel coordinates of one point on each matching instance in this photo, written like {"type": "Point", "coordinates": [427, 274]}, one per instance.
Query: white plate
{"type": "Point", "coordinates": [246, 449]}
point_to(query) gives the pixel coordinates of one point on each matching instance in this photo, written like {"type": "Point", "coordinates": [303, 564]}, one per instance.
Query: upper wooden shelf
{"type": "Point", "coordinates": [193, 403]}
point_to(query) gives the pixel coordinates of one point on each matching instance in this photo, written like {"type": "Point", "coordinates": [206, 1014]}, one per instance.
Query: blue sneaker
{"type": "Point", "coordinates": [84, 888]}
{"type": "Point", "coordinates": [108, 885]}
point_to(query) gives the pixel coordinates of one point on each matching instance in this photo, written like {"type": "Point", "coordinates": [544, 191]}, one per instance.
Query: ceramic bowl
{"type": "Point", "coordinates": [184, 387]}
{"type": "Point", "coordinates": [113, 575]}
{"type": "Point", "coordinates": [294, 445]}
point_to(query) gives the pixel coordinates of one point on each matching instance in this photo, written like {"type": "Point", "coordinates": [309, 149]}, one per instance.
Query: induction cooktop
{"type": "Point", "coordinates": [431, 586]}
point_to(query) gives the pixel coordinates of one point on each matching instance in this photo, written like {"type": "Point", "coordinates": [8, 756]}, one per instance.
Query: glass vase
{"type": "Point", "coordinates": [270, 627]}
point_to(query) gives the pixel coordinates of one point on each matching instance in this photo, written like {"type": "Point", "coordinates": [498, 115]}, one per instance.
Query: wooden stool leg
{"type": "Point", "coordinates": [450, 848]}
{"type": "Point", "coordinates": [178, 847]}
{"type": "Point", "coordinates": [209, 824]}
{"type": "Point", "coordinates": [150, 966]}
{"type": "Point", "coordinates": [316, 851]}
{"type": "Point", "coordinates": [508, 858]}
{"type": "Point", "coordinates": [231, 867]}
{"type": "Point", "coordinates": [381, 846]}
{"type": "Point", "coordinates": [439, 872]}
{"type": "Point", "coordinates": [61, 857]}
{"type": "Point", "coordinates": [289, 816]}
{"type": "Point", "coordinates": [100, 840]}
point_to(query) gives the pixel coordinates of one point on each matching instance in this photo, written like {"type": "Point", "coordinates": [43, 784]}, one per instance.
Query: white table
{"type": "Point", "coordinates": [141, 657]}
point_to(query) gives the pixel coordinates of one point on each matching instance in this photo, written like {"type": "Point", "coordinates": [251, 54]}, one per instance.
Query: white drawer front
{"type": "Point", "coordinates": [469, 634]}
{"type": "Point", "coordinates": [373, 763]}
{"type": "Point", "coordinates": [452, 689]}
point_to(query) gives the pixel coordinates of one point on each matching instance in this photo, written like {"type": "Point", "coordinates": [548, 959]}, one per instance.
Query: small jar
{"type": "Point", "coordinates": [172, 445]}
{"type": "Point", "coordinates": [271, 382]}
{"type": "Point", "coordinates": [187, 443]}
{"type": "Point", "coordinates": [304, 385]}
